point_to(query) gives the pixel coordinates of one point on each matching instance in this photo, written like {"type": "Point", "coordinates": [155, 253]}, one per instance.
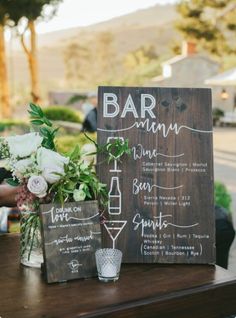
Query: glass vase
{"type": "Point", "coordinates": [30, 242]}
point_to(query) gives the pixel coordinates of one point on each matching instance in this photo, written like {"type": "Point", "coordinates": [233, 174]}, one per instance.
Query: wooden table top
{"type": "Point", "coordinates": [201, 291]}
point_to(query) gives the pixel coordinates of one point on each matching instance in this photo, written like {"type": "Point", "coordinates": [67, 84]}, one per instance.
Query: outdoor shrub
{"type": "Point", "coordinates": [76, 98]}
{"type": "Point", "coordinates": [217, 112]}
{"type": "Point", "coordinates": [222, 196]}
{"type": "Point", "coordinates": [67, 142]}
{"type": "Point", "coordinates": [13, 126]}
{"type": "Point", "coordinates": [62, 113]}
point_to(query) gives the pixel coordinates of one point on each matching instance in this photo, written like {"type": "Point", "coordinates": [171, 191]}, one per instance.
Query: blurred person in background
{"type": "Point", "coordinates": [90, 122]}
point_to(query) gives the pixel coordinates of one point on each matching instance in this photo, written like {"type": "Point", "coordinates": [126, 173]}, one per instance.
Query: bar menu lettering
{"type": "Point", "coordinates": [161, 197]}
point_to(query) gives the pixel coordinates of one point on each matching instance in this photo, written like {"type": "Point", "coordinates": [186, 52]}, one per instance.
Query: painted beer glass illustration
{"type": "Point", "coordinates": [112, 139]}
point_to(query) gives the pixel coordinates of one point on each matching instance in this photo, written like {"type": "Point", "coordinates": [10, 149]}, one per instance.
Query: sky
{"type": "Point", "coordinates": [73, 13]}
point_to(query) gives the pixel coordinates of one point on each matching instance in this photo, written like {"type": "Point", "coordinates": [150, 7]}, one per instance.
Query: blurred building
{"type": "Point", "coordinates": [193, 69]}
{"type": "Point", "coordinates": [224, 90]}
{"type": "Point", "coordinates": [190, 69]}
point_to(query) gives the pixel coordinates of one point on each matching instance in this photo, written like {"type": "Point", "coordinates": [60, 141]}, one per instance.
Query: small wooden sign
{"type": "Point", "coordinates": [71, 235]}
{"type": "Point", "coordinates": [161, 197]}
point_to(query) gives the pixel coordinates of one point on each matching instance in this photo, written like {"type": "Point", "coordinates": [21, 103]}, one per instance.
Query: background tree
{"type": "Point", "coordinates": [212, 23]}
{"type": "Point", "coordinates": [140, 65]}
{"type": "Point", "coordinates": [91, 64]}
{"type": "Point", "coordinates": [77, 62]}
{"type": "Point", "coordinates": [140, 57]}
{"type": "Point", "coordinates": [32, 10]}
{"type": "Point", "coordinates": [5, 111]}
{"type": "Point", "coordinates": [104, 56]}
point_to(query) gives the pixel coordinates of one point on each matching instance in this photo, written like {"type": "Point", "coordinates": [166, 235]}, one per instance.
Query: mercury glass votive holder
{"type": "Point", "coordinates": [108, 262]}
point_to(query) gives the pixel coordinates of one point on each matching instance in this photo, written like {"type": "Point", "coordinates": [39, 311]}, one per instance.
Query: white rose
{"type": "Point", "coordinates": [25, 145]}
{"type": "Point", "coordinates": [22, 165]}
{"type": "Point", "coordinates": [51, 175]}
{"type": "Point", "coordinates": [79, 195]}
{"type": "Point", "coordinates": [38, 186]}
{"type": "Point", "coordinates": [51, 163]}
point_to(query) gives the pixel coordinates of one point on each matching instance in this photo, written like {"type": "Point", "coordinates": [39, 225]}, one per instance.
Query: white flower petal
{"type": "Point", "coordinates": [79, 195]}
{"type": "Point", "coordinates": [51, 163]}
{"type": "Point", "coordinates": [22, 165]}
{"type": "Point", "coordinates": [38, 186]}
{"type": "Point", "coordinates": [25, 145]}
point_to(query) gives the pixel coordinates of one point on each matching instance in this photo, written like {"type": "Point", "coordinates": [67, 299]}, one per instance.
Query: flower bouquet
{"type": "Point", "coordinates": [45, 176]}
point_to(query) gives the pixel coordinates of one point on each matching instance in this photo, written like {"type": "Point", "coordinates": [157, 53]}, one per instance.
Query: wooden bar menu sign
{"type": "Point", "coordinates": [161, 206]}
{"type": "Point", "coordinates": [71, 235]}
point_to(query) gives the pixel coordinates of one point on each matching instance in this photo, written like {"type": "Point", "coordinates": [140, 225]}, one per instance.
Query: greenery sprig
{"type": "Point", "coordinates": [38, 118]}
{"type": "Point", "coordinates": [113, 150]}
{"type": "Point", "coordinates": [79, 180]}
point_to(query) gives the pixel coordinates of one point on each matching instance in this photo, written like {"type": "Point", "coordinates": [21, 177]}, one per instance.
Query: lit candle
{"type": "Point", "coordinates": [108, 270]}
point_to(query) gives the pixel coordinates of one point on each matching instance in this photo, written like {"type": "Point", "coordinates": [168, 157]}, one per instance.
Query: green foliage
{"type": "Point", "coordinates": [32, 9]}
{"type": "Point", "coordinates": [176, 48]}
{"type": "Point", "coordinates": [66, 143]}
{"type": "Point", "coordinates": [222, 196]}
{"type": "Point", "coordinates": [62, 113]}
{"type": "Point", "coordinates": [12, 11]}
{"type": "Point", "coordinates": [81, 177]}
{"type": "Point", "coordinates": [142, 56]}
{"type": "Point", "coordinates": [115, 149]}
{"type": "Point", "coordinates": [12, 182]}
{"type": "Point", "coordinates": [76, 98]}
{"type": "Point", "coordinates": [4, 149]}
{"type": "Point", "coordinates": [211, 23]}
{"type": "Point", "coordinates": [228, 61]}
{"type": "Point", "coordinates": [217, 113]}
{"type": "Point", "coordinates": [140, 65]}
{"type": "Point", "coordinates": [38, 118]}
{"type": "Point", "coordinates": [13, 125]}
{"type": "Point", "coordinates": [140, 74]}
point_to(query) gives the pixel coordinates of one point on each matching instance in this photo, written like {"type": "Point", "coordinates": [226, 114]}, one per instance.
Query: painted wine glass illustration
{"type": "Point", "coordinates": [114, 229]}
{"type": "Point", "coordinates": [112, 139]}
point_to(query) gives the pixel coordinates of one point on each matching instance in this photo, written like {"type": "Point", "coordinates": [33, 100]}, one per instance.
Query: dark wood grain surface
{"type": "Point", "coordinates": [150, 290]}
{"type": "Point", "coordinates": [71, 235]}
{"type": "Point", "coordinates": [166, 185]}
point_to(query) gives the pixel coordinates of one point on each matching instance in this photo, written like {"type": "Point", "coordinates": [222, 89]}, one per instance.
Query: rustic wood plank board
{"type": "Point", "coordinates": [161, 207]}
{"type": "Point", "coordinates": [71, 235]}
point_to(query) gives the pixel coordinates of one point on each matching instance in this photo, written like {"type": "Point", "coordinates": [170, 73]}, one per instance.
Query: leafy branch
{"type": "Point", "coordinates": [79, 180]}
{"type": "Point", "coordinates": [38, 118]}
{"type": "Point", "coordinates": [113, 150]}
